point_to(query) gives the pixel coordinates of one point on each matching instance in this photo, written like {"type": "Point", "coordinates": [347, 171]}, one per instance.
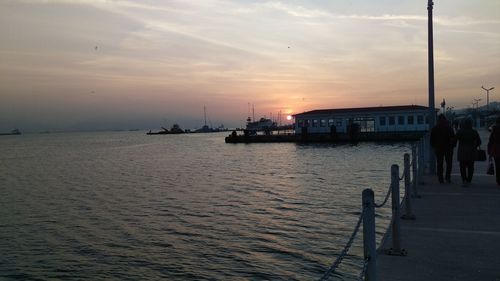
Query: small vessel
{"type": "Point", "coordinates": [13, 132]}
{"type": "Point", "coordinates": [176, 129]}
{"type": "Point", "coordinates": [206, 128]}
{"type": "Point", "coordinates": [261, 125]}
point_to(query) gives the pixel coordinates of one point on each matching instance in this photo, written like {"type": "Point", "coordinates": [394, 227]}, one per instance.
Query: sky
{"type": "Point", "coordinates": [104, 64]}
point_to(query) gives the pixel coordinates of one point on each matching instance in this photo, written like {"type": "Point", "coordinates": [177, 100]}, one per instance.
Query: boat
{"type": "Point", "coordinates": [176, 129]}
{"type": "Point", "coordinates": [206, 128]}
{"type": "Point", "coordinates": [13, 132]}
{"type": "Point", "coordinates": [262, 124]}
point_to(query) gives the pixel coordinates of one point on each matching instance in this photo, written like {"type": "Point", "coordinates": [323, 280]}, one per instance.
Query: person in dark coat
{"type": "Point", "coordinates": [494, 147]}
{"type": "Point", "coordinates": [468, 141]}
{"type": "Point", "coordinates": [443, 142]}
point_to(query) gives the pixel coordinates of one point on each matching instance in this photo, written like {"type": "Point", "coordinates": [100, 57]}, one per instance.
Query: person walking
{"type": "Point", "coordinates": [443, 142]}
{"type": "Point", "coordinates": [494, 147]}
{"type": "Point", "coordinates": [468, 141]}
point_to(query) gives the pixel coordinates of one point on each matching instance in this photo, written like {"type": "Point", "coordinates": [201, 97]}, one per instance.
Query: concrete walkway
{"type": "Point", "coordinates": [456, 235]}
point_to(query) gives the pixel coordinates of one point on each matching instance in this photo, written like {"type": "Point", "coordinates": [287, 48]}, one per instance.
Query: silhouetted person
{"type": "Point", "coordinates": [443, 142]}
{"type": "Point", "coordinates": [468, 141]}
{"type": "Point", "coordinates": [494, 147]}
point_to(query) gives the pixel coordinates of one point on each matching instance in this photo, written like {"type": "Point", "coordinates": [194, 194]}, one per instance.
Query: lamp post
{"type": "Point", "coordinates": [476, 102]}
{"type": "Point", "coordinates": [487, 96]}
{"type": "Point", "coordinates": [477, 115]}
{"type": "Point", "coordinates": [432, 110]}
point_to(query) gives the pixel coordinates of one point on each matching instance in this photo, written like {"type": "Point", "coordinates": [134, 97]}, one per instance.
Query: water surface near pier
{"type": "Point", "coordinates": [126, 206]}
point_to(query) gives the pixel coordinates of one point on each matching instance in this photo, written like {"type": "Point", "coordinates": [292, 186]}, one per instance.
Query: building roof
{"type": "Point", "coordinates": [364, 109]}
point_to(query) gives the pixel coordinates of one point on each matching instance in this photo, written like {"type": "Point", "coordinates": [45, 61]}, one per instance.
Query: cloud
{"type": "Point", "coordinates": [444, 21]}
{"type": "Point", "coordinates": [296, 11]}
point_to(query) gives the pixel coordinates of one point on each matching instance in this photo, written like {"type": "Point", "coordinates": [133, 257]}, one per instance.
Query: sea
{"type": "Point", "coordinates": [131, 206]}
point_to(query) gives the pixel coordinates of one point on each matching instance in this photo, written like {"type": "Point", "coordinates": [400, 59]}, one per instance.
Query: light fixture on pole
{"type": "Point", "coordinates": [487, 96]}
{"type": "Point", "coordinates": [476, 102]}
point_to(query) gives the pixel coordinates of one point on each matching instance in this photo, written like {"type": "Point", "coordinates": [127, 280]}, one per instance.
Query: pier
{"type": "Point", "coordinates": [455, 235]}
{"type": "Point", "coordinates": [325, 138]}
{"type": "Point", "coordinates": [437, 231]}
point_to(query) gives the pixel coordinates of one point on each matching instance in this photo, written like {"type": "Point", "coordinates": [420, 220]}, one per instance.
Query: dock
{"type": "Point", "coordinates": [325, 138]}
{"type": "Point", "coordinates": [456, 234]}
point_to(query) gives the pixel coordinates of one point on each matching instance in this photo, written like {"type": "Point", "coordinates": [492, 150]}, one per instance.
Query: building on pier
{"type": "Point", "coordinates": [381, 119]}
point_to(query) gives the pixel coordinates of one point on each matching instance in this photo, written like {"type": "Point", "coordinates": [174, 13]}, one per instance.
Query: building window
{"type": "Point", "coordinates": [426, 119]}
{"type": "Point", "coordinates": [382, 121]}
{"type": "Point", "coordinates": [420, 119]}
{"type": "Point", "coordinates": [307, 123]}
{"type": "Point", "coordinates": [366, 124]}
{"type": "Point", "coordinates": [300, 122]}
{"type": "Point", "coordinates": [315, 122]}
{"type": "Point", "coordinates": [330, 122]}
{"type": "Point", "coordinates": [392, 120]}
{"type": "Point", "coordinates": [322, 123]}
{"type": "Point", "coordinates": [410, 120]}
{"type": "Point", "coordinates": [401, 120]}
{"type": "Point", "coordinates": [339, 123]}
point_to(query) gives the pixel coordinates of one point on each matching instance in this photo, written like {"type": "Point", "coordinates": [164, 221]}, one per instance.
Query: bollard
{"type": "Point", "coordinates": [408, 215]}
{"type": "Point", "coordinates": [414, 171]}
{"type": "Point", "coordinates": [396, 232]}
{"type": "Point", "coordinates": [369, 242]}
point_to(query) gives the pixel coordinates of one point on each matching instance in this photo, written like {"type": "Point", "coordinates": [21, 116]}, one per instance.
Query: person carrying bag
{"type": "Point", "coordinates": [494, 148]}
{"type": "Point", "coordinates": [468, 142]}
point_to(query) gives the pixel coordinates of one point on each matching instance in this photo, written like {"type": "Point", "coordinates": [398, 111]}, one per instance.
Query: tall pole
{"type": "Point", "coordinates": [432, 112]}
{"type": "Point", "coordinates": [487, 96]}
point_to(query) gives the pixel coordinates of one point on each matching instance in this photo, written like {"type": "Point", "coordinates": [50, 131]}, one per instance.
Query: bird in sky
{"type": "Point", "coordinates": [95, 48]}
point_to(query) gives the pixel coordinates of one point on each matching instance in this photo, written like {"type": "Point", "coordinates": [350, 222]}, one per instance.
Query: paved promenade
{"type": "Point", "coordinates": [456, 235]}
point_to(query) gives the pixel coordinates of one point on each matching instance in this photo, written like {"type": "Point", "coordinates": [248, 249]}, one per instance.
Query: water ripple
{"type": "Point", "coordinates": [126, 206]}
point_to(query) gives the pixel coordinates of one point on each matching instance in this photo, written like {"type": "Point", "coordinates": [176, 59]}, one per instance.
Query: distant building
{"type": "Point", "coordinates": [401, 118]}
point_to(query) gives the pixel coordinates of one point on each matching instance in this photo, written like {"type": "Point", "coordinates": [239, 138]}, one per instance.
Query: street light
{"type": "Point", "coordinates": [487, 96]}
{"type": "Point", "coordinates": [476, 102]}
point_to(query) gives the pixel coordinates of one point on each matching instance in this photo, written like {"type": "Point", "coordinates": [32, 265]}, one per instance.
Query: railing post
{"type": "Point", "coordinates": [369, 243]}
{"type": "Point", "coordinates": [415, 176]}
{"type": "Point", "coordinates": [396, 231]}
{"type": "Point", "coordinates": [408, 215]}
{"type": "Point", "coordinates": [421, 160]}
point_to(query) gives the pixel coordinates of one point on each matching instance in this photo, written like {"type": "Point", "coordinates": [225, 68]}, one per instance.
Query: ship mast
{"type": "Point", "coordinates": [205, 114]}
{"type": "Point", "coordinates": [253, 113]}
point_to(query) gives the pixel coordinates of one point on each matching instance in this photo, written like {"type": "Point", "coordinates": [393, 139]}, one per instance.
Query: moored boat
{"type": "Point", "coordinates": [13, 132]}
{"type": "Point", "coordinates": [176, 129]}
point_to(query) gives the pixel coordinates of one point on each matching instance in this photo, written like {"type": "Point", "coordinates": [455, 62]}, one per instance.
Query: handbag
{"type": "Point", "coordinates": [480, 155]}
{"type": "Point", "coordinates": [491, 168]}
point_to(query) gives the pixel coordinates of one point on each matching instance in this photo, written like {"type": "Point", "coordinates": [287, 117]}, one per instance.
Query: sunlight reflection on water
{"type": "Point", "coordinates": [124, 205]}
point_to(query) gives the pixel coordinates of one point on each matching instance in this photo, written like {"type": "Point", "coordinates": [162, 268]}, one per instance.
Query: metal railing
{"type": "Point", "coordinates": [412, 174]}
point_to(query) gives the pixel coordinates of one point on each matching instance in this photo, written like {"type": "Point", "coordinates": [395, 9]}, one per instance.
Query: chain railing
{"type": "Point", "coordinates": [411, 177]}
{"type": "Point", "coordinates": [344, 251]}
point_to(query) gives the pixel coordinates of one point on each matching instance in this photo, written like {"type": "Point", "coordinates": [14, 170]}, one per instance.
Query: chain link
{"type": "Point", "coordinates": [403, 174]}
{"type": "Point", "coordinates": [361, 276]}
{"type": "Point", "coordinates": [385, 200]}
{"type": "Point", "coordinates": [344, 252]}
